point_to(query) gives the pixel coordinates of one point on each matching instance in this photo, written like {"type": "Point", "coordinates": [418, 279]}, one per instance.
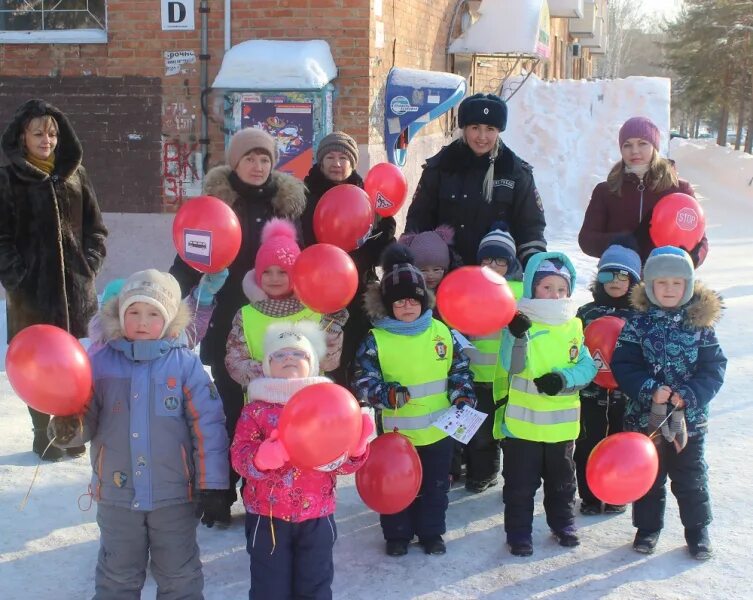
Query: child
{"type": "Point", "coordinates": [498, 252]}
{"type": "Point", "coordinates": [290, 529]}
{"type": "Point", "coordinates": [543, 351]}
{"type": "Point", "coordinates": [158, 443]}
{"type": "Point", "coordinates": [269, 289]}
{"type": "Point", "coordinates": [411, 367]}
{"type": "Point", "coordinates": [431, 251]}
{"type": "Point", "coordinates": [668, 353]}
{"type": "Point", "coordinates": [602, 410]}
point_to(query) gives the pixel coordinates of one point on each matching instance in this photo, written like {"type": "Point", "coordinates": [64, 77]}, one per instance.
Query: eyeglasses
{"type": "Point", "coordinates": [283, 354]}
{"type": "Point", "coordinates": [609, 276]}
{"type": "Point", "coordinates": [500, 262]}
{"type": "Point", "coordinates": [406, 302]}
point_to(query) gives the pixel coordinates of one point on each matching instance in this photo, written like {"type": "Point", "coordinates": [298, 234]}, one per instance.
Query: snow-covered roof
{"type": "Point", "coordinates": [276, 65]}
{"type": "Point", "coordinates": [419, 78]}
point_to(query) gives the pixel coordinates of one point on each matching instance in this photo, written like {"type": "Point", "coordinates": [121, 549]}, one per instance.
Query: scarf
{"type": "Point", "coordinates": [265, 191]}
{"type": "Point", "coordinates": [402, 328]}
{"type": "Point", "coordinates": [318, 184]}
{"type": "Point", "coordinates": [43, 165]}
{"type": "Point", "coordinates": [276, 390]}
{"type": "Point", "coordinates": [603, 299]}
{"type": "Point", "coordinates": [551, 312]}
{"type": "Point", "coordinates": [639, 170]}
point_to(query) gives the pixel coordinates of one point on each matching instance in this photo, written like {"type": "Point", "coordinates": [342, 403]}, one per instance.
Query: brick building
{"type": "Point", "coordinates": [133, 90]}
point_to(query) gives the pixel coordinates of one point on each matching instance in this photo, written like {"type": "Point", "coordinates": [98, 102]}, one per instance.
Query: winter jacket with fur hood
{"type": "Point", "coordinates": [155, 421]}
{"type": "Point", "coordinates": [673, 347]}
{"type": "Point", "coordinates": [52, 238]}
{"type": "Point", "coordinates": [450, 192]}
{"type": "Point", "coordinates": [281, 196]}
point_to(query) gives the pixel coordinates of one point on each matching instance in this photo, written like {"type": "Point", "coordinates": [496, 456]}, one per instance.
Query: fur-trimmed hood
{"type": "Point", "coordinates": [374, 305]}
{"type": "Point", "coordinates": [288, 201]}
{"type": "Point", "coordinates": [105, 325]}
{"type": "Point", "coordinates": [703, 310]}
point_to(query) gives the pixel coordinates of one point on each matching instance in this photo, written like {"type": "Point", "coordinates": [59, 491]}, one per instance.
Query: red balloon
{"type": "Point", "coordinates": [601, 336]}
{"type": "Point", "coordinates": [622, 467]}
{"type": "Point", "coordinates": [343, 216]}
{"type": "Point", "coordinates": [319, 424]}
{"type": "Point", "coordinates": [458, 300]}
{"type": "Point", "coordinates": [325, 278]}
{"type": "Point", "coordinates": [207, 234]}
{"type": "Point", "coordinates": [49, 370]}
{"type": "Point", "coordinates": [677, 220]}
{"type": "Point", "coordinates": [387, 188]}
{"type": "Point", "coordinates": [390, 478]}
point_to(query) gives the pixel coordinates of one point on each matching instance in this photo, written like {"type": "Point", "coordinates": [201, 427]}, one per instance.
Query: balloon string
{"type": "Point", "coordinates": [272, 527]}
{"type": "Point", "coordinates": [198, 295]}
{"type": "Point", "coordinates": [657, 431]}
{"type": "Point", "coordinates": [22, 506]}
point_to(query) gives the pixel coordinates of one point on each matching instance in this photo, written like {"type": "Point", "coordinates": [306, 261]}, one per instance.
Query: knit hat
{"type": "Point", "coordinates": [160, 290]}
{"type": "Point", "coordinates": [401, 278]}
{"type": "Point", "coordinates": [669, 261]}
{"type": "Point", "coordinates": [301, 335]}
{"type": "Point", "coordinates": [552, 266]}
{"type": "Point", "coordinates": [483, 109]}
{"type": "Point", "coordinates": [278, 248]}
{"type": "Point", "coordinates": [618, 258]}
{"type": "Point", "coordinates": [338, 141]}
{"type": "Point", "coordinates": [430, 248]}
{"type": "Point", "coordinates": [640, 127]}
{"type": "Point", "coordinates": [248, 139]}
{"type": "Point", "coordinates": [498, 243]}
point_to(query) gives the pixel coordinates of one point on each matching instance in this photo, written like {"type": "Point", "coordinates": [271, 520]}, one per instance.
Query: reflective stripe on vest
{"type": "Point", "coordinates": [424, 374]}
{"type": "Point", "coordinates": [483, 356]}
{"type": "Point", "coordinates": [255, 324]}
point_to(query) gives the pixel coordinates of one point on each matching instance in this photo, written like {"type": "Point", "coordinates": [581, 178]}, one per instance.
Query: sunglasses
{"type": "Point", "coordinates": [500, 262]}
{"type": "Point", "coordinates": [609, 276]}
{"type": "Point", "coordinates": [405, 302]}
{"type": "Point", "coordinates": [283, 354]}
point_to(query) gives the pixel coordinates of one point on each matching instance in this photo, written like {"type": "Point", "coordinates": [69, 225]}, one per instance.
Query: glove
{"type": "Point", "coordinates": [397, 396]}
{"type": "Point", "coordinates": [366, 432]}
{"type": "Point", "coordinates": [657, 421]}
{"type": "Point", "coordinates": [519, 325]}
{"type": "Point", "coordinates": [550, 384]}
{"type": "Point", "coordinates": [679, 429]}
{"type": "Point", "coordinates": [271, 454]}
{"type": "Point", "coordinates": [213, 506]}
{"type": "Point", "coordinates": [209, 285]}
{"type": "Point", "coordinates": [462, 401]}
{"type": "Point", "coordinates": [695, 253]}
{"type": "Point", "coordinates": [64, 429]}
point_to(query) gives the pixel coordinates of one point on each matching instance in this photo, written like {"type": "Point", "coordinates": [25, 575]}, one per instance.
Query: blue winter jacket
{"type": "Point", "coordinates": [677, 348]}
{"type": "Point", "coordinates": [155, 421]}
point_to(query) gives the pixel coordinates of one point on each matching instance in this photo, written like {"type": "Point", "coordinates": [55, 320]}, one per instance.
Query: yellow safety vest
{"type": "Point", "coordinates": [421, 363]}
{"type": "Point", "coordinates": [529, 415]}
{"type": "Point", "coordinates": [255, 325]}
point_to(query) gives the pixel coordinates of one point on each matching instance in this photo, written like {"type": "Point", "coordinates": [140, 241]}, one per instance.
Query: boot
{"type": "Point", "coordinates": [699, 544]}
{"type": "Point", "coordinates": [396, 547]}
{"type": "Point", "coordinates": [520, 545]}
{"type": "Point", "coordinates": [590, 508]}
{"type": "Point", "coordinates": [567, 537]}
{"type": "Point", "coordinates": [41, 441]}
{"type": "Point", "coordinates": [433, 544]}
{"type": "Point", "coordinates": [645, 541]}
{"type": "Point", "coordinates": [480, 486]}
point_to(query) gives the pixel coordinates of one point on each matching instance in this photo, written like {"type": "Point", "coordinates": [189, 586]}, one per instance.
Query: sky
{"type": "Point", "coordinates": [661, 8]}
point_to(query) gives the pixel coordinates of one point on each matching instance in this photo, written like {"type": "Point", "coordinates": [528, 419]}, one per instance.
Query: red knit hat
{"type": "Point", "coordinates": [640, 127]}
{"type": "Point", "coordinates": [278, 248]}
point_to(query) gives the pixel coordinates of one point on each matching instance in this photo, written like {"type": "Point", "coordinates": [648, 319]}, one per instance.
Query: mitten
{"type": "Point", "coordinates": [397, 396]}
{"type": "Point", "coordinates": [271, 454]}
{"type": "Point", "coordinates": [657, 420]}
{"type": "Point", "coordinates": [550, 384]}
{"type": "Point", "coordinates": [366, 432]}
{"type": "Point", "coordinates": [679, 429]}
{"type": "Point", "coordinates": [64, 429]}
{"type": "Point", "coordinates": [462, 401]}
{"type": "Point", "coordinates": [695, 253]}
{"type": "Point", "coordinates": [387, 227]}
{"type": "Point", "coordinates": [213, 506]}
{"type": "Point", "coordinates": [209, 285]}
{"type": "Point", "coordinates": [519, 325]}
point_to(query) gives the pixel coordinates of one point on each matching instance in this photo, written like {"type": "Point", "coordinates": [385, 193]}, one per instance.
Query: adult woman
{"type": "Point", "coordinates": [256, 193]}
{"type": "Point", "coordinates": [52, 239]}
{"type": "Point", "coordinates": [336, 161]}
{"type": "Point", "coordinates": [623, 204]}
{"type": "Point", "coordinates": [477, 180]}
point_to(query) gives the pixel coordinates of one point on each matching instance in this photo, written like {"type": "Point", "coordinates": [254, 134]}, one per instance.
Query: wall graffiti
{"type": "Point", "coordinates": [181, 170]}
{"type": "Point", "coordinates": [176, 116]}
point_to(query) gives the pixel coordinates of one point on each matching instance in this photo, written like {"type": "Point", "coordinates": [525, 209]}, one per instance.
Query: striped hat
{"type": "Point", "coordinates": [401, 279]}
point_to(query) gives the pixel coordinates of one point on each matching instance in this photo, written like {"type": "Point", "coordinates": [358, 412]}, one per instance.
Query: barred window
{"type": "Point", "coordinates": [54, 21]}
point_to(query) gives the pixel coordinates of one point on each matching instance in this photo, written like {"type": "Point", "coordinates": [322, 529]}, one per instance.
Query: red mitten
{"type": "Point", "coordinates": [271, 454]}
{"type": "Point", "coordinates": [366, 432]}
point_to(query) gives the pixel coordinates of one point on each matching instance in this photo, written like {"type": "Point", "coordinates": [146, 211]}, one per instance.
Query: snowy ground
{"type": "Point", "coordinates": [48, 550]}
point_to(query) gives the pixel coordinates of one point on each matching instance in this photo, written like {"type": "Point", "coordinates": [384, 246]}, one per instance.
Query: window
{"type": "Point", "coordinates": [53, 21]}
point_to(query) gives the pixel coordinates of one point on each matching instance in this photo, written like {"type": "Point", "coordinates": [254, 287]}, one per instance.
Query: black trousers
{"type": "Point", "coordinates": [482, 453]}
{"type": "Point", "coordinates": [525, 464]}
{"type": "Point", "coordinates": [688, 472]}
{"type": "Point", "coordinates": [599, 417]}
{"type": "Point", "coordinates": [232, 402]}
{"type": "Point", "coordinates": [425, 517]}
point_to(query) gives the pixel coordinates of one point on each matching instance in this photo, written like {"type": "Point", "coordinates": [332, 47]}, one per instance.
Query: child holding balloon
{"type": "Point", "coordinates": [669, 363]}
{"type": "Point", "coordinates": [290, 529]}
{"type": "Point", "coordinates": [544, 353]}
{"type": "Point", "coordinates": [602, 409]}
{"type": "Point", "coordinates": [159, 448]}
{"type": "Point", "coordinates": [411, 367]}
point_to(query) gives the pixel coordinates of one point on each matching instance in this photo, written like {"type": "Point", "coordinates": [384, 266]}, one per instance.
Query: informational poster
{"type": "Point", "coordinates": [291, 124]}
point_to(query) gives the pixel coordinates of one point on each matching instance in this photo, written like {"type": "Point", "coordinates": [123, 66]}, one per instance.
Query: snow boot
{"type": "Point", "coordinates": [614, 509]}
{"type": "Point", "coordinates": [590, 508]}
{"type": "Point", "coordinates": [433, 544]}
{"type": "Point", "coordinates": [520, 545]}
{"type": "Point", "coordinates": [645, 541]}
{"type": "Point", "coordinates": [396, 547]}
{"type": "Point", "coordinates": [567, 537]}
{"type": "Point", "coordinates": [480, 486]}
{"type": "Point", "coordinates": [41, 441]}
{"type": "Point", "coordinates": [699, 544]}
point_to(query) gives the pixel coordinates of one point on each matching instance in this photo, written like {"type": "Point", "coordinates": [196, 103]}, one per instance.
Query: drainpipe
{"type": "Point", "coordinates": [204, 83]}
{"type": "Point", "coordinates": [228, 41]}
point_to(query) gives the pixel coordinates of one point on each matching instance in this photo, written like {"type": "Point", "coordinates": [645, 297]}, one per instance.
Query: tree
{"type": "Point", "coordinates": [622, 16]}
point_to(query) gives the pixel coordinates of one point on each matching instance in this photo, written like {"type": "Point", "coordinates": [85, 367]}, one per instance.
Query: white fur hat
{"type": "Point", "coordinates": [160, 290]}
{"type": "Point", "coordinates": [303, 335]}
